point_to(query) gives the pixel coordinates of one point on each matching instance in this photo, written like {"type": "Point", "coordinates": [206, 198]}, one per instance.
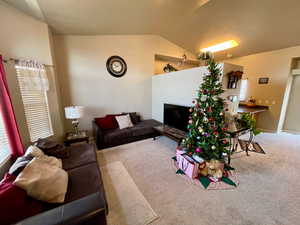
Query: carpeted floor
{"type": "Point", "coordinates": [268, 194]}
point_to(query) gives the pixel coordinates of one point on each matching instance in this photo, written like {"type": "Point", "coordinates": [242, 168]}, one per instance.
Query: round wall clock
{"type": "Point", "coordinates": [116, 66]}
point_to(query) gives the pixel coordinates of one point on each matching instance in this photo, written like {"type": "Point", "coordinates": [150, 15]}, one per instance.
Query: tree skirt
{"type": "Point", "coordinates": [225, 183]}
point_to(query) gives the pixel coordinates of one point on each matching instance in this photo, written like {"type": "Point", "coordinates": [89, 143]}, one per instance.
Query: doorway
{"type": "Point", "coordinates": [292, 118]}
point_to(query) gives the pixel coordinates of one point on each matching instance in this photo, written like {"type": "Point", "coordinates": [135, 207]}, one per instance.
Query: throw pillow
{"type": "Point", "coordinates": [124, 121]}
{"type": "Point", "coordinates": [15, 205]}
{"type": "Point", "coordinates": [135, 118]}
{"type": "Point", "coordinates": [43, 181]}
{"type": "Point", "coordinates": [105, 123]}
{"type": "Point", "coordinates": [52, 148]}
{"type": "Point", "coordinates": [51, 161]}
{"type": "Point", "coordinates": [34, 151]}
{"type": "Point", "coordinates": [19, 164]}
{"type": "Point", "coordinates": [113, 117]}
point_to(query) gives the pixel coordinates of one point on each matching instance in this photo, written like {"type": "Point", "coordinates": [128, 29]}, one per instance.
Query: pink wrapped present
{"type": "Point", "coordinates": [187, 164]}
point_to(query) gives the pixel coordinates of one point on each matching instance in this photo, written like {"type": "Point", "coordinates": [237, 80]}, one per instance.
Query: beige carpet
{"type": "Point", "coordinates": [127, 205]}
{"type": "Point", "coordinates": [268, 194]}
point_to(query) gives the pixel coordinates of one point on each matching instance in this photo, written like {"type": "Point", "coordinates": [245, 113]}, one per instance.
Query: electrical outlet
{"type": "Point", "coordinates": [267, 101]}
{"type": "Point", "coordinates": [259, 101]}
{"type": "Point", "coordinates": [273, 102]}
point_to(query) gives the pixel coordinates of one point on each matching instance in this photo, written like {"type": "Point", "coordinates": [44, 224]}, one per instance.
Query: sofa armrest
{"type": "Point", "coordinates": [87, 210]}
{"type": "Point", "coordinates": [98, 134]}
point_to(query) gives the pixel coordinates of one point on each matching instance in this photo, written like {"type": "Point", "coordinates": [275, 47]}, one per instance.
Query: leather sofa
{"type": "Point", "coordinates": [85, 201]}
{"type": "Point", "coordinates": [114, 137]}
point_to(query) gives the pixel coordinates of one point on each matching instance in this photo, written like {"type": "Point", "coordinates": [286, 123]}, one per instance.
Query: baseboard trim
{"type": "Point", "coordinates": [291, 131]}
{"type": "Point", "coordinates": [267, 130]}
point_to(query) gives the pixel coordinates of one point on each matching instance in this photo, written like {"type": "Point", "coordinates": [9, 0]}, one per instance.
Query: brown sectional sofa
{"type": "Point", "coordinates": [85, 201]}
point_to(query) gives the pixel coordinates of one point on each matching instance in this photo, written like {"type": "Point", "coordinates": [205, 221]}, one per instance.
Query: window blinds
{"type": "Point", "coordinates": [35, 103]}
{"type": "Point", "coordinates": [4, 148]}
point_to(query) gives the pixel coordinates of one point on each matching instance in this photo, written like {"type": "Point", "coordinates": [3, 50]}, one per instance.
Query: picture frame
{"type": "Point", "coordinates": [263, 80]}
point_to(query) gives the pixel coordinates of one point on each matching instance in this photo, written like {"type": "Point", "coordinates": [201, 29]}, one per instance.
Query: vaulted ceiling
{"type": "Point", "coordinates": [258, 25]}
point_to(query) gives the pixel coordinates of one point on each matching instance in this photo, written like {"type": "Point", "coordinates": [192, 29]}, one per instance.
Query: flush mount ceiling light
{"type": "Point", "coordinates": [220, 47]}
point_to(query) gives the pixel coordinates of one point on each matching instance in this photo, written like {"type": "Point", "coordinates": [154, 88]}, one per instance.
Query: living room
{"type": "Point", "coordinates": [133, 81]}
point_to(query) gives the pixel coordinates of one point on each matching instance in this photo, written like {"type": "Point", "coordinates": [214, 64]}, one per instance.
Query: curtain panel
{"type": "Point", "coordinates": [9, 119]}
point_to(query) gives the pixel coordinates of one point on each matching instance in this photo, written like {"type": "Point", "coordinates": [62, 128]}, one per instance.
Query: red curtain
{"type": "Point", "coordinates": [8, 116]}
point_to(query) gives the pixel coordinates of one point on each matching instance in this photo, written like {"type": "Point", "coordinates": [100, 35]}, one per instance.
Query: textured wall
{"type": "Point", "coordinates": [276, 65]}
{"type": "Point", "coordinates": [84, 79]}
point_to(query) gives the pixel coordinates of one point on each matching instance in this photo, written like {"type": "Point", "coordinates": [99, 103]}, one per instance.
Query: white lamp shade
{"type": "Point", "coordinates": [74, 112]}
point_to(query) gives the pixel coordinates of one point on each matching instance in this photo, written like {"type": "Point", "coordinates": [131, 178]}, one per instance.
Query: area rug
{"type": "Point", "coordinates": [268, 194]}
{"type": "Point", "coordinates": [127, 205]}
{"type": "Point", "coordinates": [254, 148]}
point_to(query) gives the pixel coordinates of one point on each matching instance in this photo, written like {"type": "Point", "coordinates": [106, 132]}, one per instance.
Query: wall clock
{"type": "Point", "coordinates": [116, 66]}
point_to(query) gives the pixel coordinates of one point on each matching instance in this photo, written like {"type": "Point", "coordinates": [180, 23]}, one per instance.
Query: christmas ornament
{"type": "Point", "coordinates": [213, 147]}
{"type": "Point", "coordinates": [191, 110]}
{"type": "Point", "coordinates": [203, 98]}
{"type": "Point", "coordinates": [198, 150]}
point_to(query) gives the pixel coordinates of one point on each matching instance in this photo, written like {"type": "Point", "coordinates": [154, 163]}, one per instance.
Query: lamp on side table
{"type": "Point", "coordinates": [74, 113]}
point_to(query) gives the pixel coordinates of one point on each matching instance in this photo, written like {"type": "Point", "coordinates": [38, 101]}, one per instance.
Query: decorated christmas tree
{"type": "Point", "coordinates": [207, 132]}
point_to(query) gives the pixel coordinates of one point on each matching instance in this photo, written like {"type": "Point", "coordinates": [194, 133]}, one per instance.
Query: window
{"type": "Point", "coordinates": [35, 101]}
{"type": "Point", "coordinates": [243, 91]}
{"type": "Point", "coordinates": [4, 148]}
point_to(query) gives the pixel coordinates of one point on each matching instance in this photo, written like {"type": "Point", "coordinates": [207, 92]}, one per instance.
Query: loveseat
{"type": "Point", "coordinates": [85, 201]}
{"type": "Point", "coordinates": [142, 129]}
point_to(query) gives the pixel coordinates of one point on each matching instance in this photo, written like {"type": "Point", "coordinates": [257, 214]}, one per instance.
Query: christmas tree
{"type": "Point", "coordinates": [207, 132]}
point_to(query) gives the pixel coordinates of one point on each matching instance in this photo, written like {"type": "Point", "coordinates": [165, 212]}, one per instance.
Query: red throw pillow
{"type": "Point", "coordinates": [15, 205]}
{"type": "Point", "coordinates": [106, 123]}
{"type": "Point", "coordinates": [113, 118]}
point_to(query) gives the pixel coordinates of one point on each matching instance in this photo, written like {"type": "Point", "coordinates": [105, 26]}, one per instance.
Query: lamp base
{"type": "Point", "coordinates": [75, 124]}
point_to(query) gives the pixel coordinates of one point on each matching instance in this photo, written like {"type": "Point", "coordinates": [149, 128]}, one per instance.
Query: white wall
{"type": "Point", "coordinates": [276, 65]}
{"type": "Point", "coordinates": [84, 79]}
{"type": "Point", "coordinates": [181, 87]}
{"type": "Point", "coordinates": [23, 37]}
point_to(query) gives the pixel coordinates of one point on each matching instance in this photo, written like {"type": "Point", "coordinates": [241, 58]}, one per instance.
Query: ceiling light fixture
{"type": "Point", "coordinates": [220, 47]}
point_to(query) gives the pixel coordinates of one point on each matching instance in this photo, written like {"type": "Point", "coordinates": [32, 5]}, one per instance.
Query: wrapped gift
{"type": "Point", "coordinates": [179, 153]}
{"type": "Point", "coordinates": [187, 164]}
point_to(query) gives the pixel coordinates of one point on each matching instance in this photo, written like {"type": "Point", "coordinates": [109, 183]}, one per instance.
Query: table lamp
{"type": "Point", "coordinates": [74, 113]}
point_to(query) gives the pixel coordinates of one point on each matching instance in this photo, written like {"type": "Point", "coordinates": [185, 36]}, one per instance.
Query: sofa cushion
{"type": "Point", "coordinates": [15, 205]}
{"type": "Point", "coordinates": [144, 127]}
{"type": "Point", "coordinates": [111, 136]}
{"type": "Point", "coordinates": [52, 148]}
{"type": "Point", "coordinates": [80, 155]}
{"type": "Point", "coordinates": [83, 181]}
